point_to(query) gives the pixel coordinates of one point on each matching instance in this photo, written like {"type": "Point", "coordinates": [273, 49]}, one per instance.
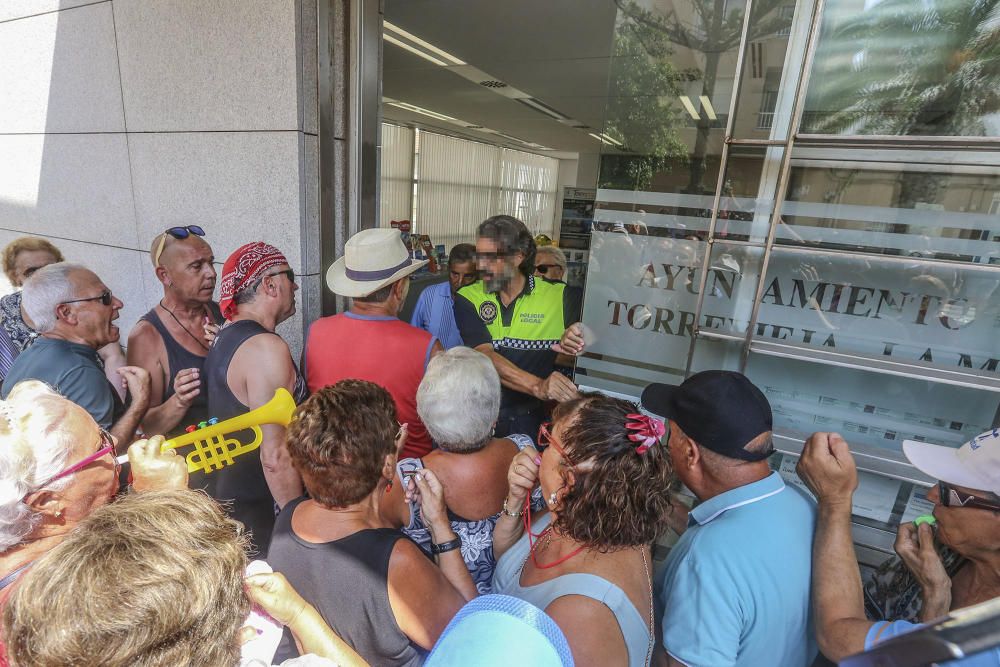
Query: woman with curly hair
{"type": "Point", "coordinates": [587, 561]}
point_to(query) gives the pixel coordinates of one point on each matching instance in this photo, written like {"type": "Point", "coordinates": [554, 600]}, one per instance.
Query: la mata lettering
{"type": "Point", "coordinates": [807, 312]}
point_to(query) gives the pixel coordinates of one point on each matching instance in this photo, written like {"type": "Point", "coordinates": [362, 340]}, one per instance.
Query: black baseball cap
{"type": "Point", "coordinates": [720, 410]}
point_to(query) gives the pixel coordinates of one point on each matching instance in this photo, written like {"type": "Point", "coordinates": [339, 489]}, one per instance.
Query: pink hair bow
{"type": "Point", "coordinates": [648, 431]}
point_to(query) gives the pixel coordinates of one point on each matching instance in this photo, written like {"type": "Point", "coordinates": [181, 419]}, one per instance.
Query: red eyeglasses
{"type": "Point", "coordinates": [105, 446]}
{"type": "Point", "coordinates": [545, 438]}
{"type": "Point", "coordinates": [952, 497]}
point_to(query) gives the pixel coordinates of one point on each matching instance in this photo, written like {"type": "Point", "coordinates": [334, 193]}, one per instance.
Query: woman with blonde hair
{"type": "Point", "coordinates": [56, 467]}
{"type": "Point", "coordinates": [22, 257]}
{"type": "Point", "coordinates": [156, 579]}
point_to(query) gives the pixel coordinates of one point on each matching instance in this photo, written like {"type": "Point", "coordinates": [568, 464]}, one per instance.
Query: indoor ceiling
{"type": "Point", "coordinates": [555, 51]}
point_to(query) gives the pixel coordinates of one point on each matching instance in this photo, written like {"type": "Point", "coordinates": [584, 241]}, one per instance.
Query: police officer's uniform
{"type": "Point", "coordinates": [524, 334]}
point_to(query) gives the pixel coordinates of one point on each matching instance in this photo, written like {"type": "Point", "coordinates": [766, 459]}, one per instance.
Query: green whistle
{"type": "Point", "coordinates": [925, 518]}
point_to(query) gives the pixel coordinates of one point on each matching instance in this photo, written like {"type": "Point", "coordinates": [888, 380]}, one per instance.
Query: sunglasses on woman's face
{"type": "Point", "coordinates": [105, 446]}
{"type": "Point", "coordinates": [544, 268]}
{"type": "Point", "coordinates": [952, 497]}
{"type": "Point", "coordinates": [545, 438]}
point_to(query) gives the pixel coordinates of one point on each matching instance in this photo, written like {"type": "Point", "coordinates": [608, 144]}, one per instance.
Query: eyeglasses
{"type": "Point", "coordinates": [544, 268]}
{"type": "Point", "coordinates": [104, 297]}
{"type": "Point", "coordinates": [178, 233]}
{"type": "Point", "coordinates": [287, 272]}
{"type": "Point", "coordinates": [952, 497]}
{"type": "Point", "coordinates": [545, 438]}
{"type": "Point", "coordinates": [105, 446]}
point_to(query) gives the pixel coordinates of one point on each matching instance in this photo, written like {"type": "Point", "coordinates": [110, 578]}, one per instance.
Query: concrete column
{"type": "Point", "coordinates": [121, 118]}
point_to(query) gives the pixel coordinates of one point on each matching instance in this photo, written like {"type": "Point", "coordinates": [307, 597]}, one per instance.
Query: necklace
{"type": "Point", "coordinates": [546, 535]}
{"type": "Point", "coordinates": [196, 339]}
{"type": "Point", "coordinates": [649, 578]}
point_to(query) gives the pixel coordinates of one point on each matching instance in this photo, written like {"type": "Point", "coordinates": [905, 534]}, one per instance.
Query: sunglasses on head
{"type": "Point", "coordinates": [178, 233]}
{"type": "Point", "coordinates": [952, 497]}
{"type": "Point", "coordinates": [104, 297]}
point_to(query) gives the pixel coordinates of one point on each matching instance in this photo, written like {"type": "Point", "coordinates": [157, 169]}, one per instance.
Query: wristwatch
{"type": "Point", "coordinates": [446, 546]}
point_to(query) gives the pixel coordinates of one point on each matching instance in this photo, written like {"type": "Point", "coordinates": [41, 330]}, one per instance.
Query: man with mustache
{"type": "Point", "coordinates": [73, 311]}
{"type": "Point", "coordinates": [520, 323]}
{"type": "Point", "coordinates": [172, 340]}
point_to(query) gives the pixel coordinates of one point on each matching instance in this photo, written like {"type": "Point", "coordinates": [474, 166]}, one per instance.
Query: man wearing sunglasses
{"type": "Point", "coordinates": [247, 363]}
{"type": "Point", "coordinates": [172, 339]}
{"type": "Point", "coordinates": [74, 311]}
{"type": "Point", "coordinates": [967, 513]}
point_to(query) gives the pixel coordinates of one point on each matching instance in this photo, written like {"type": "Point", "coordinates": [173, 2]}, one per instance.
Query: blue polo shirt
{"type": "Point", "coordinates": [435, 312]}
{"type": "Point", "coordinates": [883, 630]}
{"type": "Point", "coordinates": [736, 587]}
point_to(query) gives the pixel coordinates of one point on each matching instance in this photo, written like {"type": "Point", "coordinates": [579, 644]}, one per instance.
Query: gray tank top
{"type": "Point", "coordinates": [347, 580]}
{"type": "Point", "coordinates": [507, 581]}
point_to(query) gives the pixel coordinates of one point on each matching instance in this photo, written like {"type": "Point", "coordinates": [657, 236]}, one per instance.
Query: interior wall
{"type": "Point", "coordinates": [121, 118]}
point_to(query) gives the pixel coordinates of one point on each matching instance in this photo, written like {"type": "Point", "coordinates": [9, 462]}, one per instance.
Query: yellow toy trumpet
{"type": "Point", "coordinates": [214, 448]}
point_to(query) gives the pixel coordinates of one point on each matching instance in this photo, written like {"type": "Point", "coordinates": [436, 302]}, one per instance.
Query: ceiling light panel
{"type": "Point", "coordinates": [396, 35]}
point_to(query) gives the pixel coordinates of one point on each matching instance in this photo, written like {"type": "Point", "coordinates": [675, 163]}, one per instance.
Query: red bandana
{"type": "Point", "coordinates": [244, 266]}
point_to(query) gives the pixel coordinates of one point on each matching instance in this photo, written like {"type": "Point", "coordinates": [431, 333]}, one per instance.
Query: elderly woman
{"type": "Point", "coordinates": [458, 401]}
{"type": "Point", "coordinates": [56, 467]}
{"type": "Point", "coordinates": [587, 561]}
{"type": "Point", "coordinates": [371, 584]}
{"type": "Point", "coordinates": [179, 561]}
{"type": "Point", "coordinates": [21, 258]}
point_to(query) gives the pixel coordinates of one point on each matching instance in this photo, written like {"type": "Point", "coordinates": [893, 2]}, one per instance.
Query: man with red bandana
{"type": "Point", "coordinates": [246, 364]}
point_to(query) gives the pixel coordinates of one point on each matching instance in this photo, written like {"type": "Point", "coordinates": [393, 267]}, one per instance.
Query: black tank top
{"type": "Point", "coordinates": [179, 358]}
{"type": "Point", "coordinates": [347, 580]}
{"type": "Point", "coordinates": [242, 483]}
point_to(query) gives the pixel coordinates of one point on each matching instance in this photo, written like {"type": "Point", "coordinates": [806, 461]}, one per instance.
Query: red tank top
{"type": "Point", "coordinates": [383, 350]}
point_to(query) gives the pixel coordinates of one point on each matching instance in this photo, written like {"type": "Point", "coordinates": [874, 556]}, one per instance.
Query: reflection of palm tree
{"type": "Point", "coordinates": [902, 67]}
{"type": "Point", "coordinates": [714, 32]}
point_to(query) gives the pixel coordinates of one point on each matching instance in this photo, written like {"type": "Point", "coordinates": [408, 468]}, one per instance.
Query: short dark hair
{"type": "Point", "coordinates": [339, 439]}
{"type": "Point", "coordinates": [511, 235]}
{"type": "Point", "coordinates": [463, 252]}
{"type": "Point", "coordinates": [381, 295]}
{"type": "Point", "coordinates": [620, 498]}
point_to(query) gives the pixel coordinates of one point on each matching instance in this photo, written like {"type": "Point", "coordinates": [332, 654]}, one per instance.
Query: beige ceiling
{"type": "Point", "coordinates": [555, 50]}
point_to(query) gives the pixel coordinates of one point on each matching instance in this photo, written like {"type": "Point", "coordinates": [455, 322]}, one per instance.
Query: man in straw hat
{"type": "Point", "coordinates": [246, 364]}
{"type": "Point", "coordinates": [370, 342]}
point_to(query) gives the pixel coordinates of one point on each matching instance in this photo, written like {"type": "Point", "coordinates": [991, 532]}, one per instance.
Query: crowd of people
{"type": "Point", "coordinates": [444, 494]}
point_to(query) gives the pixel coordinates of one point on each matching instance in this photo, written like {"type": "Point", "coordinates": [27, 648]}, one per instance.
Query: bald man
{"type": "Point", "coordinates": [172, 340]}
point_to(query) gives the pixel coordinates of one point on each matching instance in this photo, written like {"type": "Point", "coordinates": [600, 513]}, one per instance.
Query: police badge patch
{"type": "Point", "coordinates": [488, 312]}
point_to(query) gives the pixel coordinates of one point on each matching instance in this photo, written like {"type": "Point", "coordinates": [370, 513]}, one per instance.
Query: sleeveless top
{"type": "Point", "coordinates": [477, 536]}
{"type": "Point", "coordinates": [242, 483]}
{"type": "Point", "coordinates": [380, 349]}
{"type": "Point", "coordinates": [506, 580]}
{"type": "Point", "coordinates": [179, 358]}
{"type": "Point", "coordinates": [347, 580]}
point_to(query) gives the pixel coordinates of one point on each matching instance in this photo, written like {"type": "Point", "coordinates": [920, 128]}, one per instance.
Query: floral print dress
{"type": "Point", "coordinates": [477, 536]}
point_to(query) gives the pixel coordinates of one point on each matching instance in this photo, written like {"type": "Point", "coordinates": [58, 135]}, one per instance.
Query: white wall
{"type": "Point", "coordinates": [121, 118]}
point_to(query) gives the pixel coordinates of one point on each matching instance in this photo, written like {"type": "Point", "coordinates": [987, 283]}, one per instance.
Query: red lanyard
{"type": "Point", "coordinates": [532, 545]}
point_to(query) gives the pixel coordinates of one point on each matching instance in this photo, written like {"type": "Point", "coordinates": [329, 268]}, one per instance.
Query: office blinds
{"type": "Point", "coordinates": [528, 189]}
{"type": "Point", "coordinates": [460, 183]}
{"type": "Point", "coordinates": [396, 180]}
{"type": "Point", "coordinates": [457, 187]}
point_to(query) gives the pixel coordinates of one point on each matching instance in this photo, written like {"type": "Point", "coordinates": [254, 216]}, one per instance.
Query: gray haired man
{"type": "Point", "coordinates": [74, 313]}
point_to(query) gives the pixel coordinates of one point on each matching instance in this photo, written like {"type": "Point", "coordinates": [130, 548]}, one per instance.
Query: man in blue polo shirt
{"type": "Point", "coordinates": [435, 309]}
{"type": "Point", "coordinates": [736, 585]}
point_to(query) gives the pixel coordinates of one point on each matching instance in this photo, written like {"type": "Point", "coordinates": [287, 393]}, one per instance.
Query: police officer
{"type": "Point", "coordinates": [520, 321]}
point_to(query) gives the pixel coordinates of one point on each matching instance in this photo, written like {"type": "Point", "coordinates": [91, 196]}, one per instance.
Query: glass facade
{"type": "Point", "coordinates": [831, 229]}
{"type": "Point", "coordinates": [807, 191]}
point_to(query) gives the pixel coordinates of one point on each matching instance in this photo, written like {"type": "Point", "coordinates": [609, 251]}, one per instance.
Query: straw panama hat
{"type": "Point", "coordinates": [373, 258]}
